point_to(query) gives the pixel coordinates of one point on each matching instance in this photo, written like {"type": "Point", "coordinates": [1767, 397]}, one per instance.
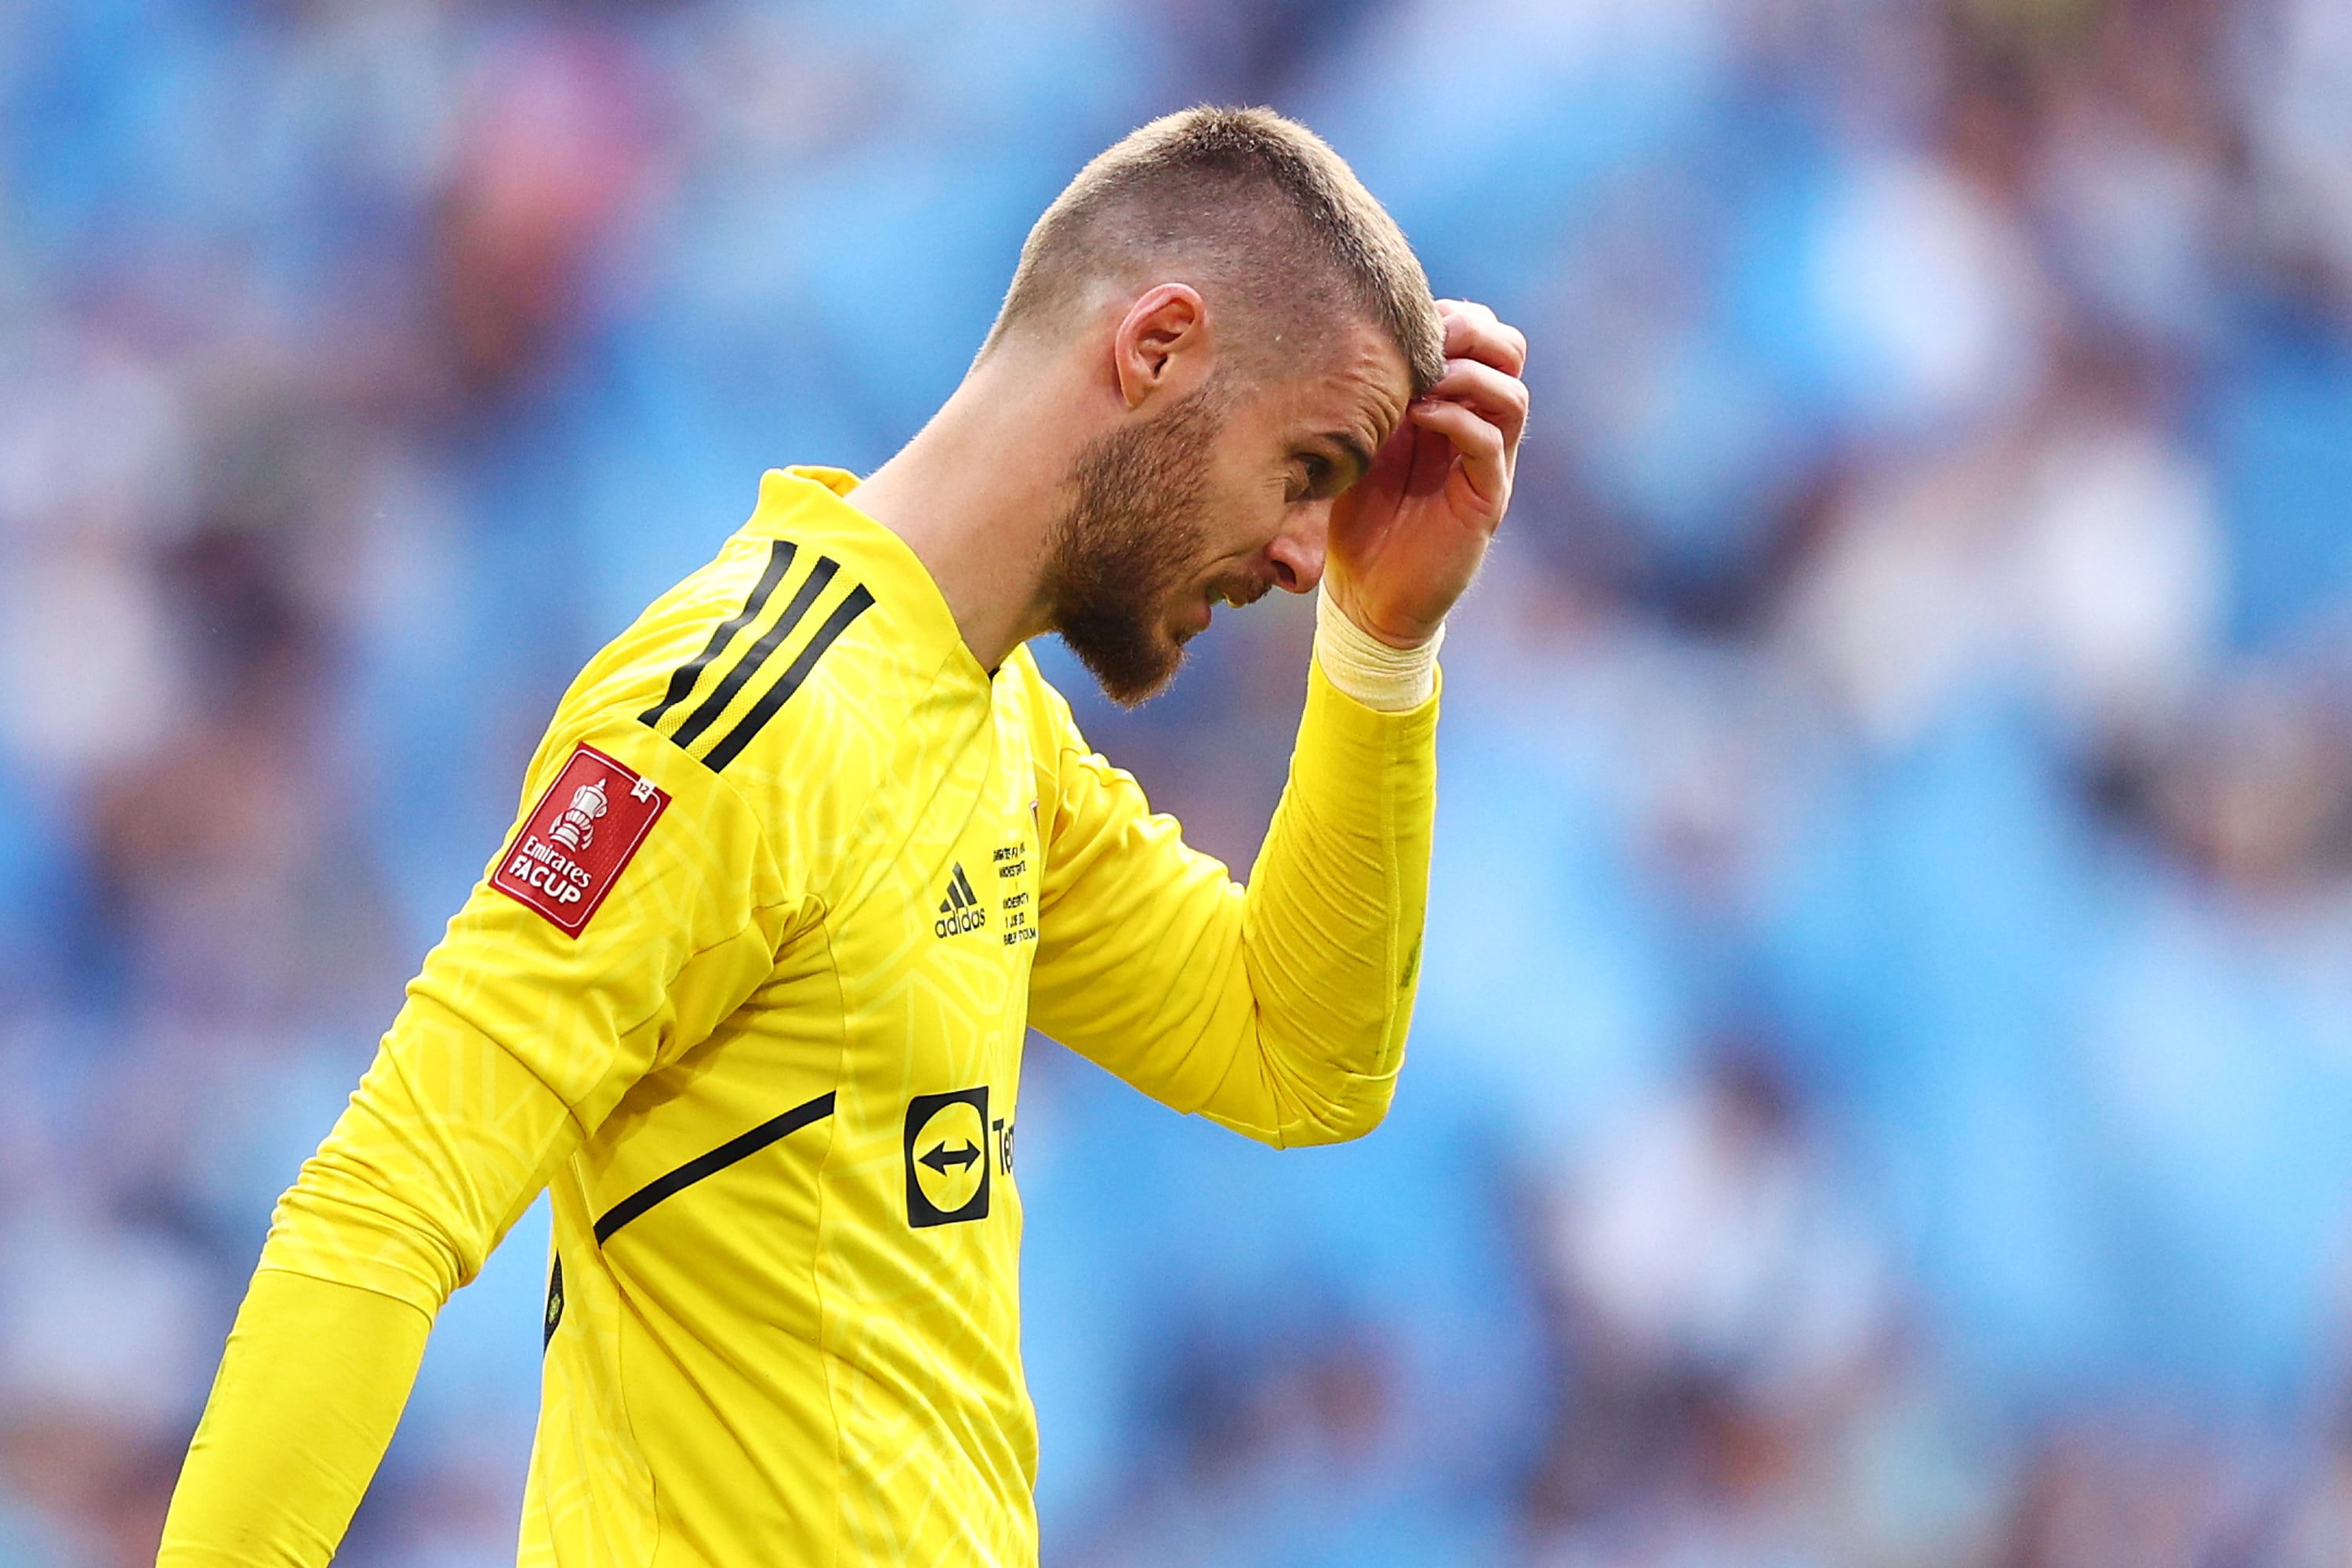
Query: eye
{"type": "Point", "coordinates": [1316, 471]}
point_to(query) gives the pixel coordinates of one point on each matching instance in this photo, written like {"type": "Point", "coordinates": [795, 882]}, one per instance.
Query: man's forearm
{"type": "Point", "coordinates": [1335, 908]}
{"type": "Point", "coordinates": [447, 1140]}
{"type": "Point", "coordinates": [307, 1394]}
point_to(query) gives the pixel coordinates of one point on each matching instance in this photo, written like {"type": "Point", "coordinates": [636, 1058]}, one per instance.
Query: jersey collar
{"type": "Point", "coordinates": [812, 503]}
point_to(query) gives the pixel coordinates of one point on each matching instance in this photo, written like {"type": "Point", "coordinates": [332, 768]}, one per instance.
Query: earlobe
{"type": "Point", "coordinates": [1166, 326]}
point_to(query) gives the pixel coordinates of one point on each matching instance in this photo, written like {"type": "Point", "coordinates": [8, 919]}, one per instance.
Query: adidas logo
{"type": "Point", "coordinates": [959, 911]}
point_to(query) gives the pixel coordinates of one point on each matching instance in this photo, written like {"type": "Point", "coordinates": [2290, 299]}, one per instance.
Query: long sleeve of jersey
{"type": "Point", "coordinates": [1280, 1010]}
{"type": "Point", "coordinates": [516, 1038]}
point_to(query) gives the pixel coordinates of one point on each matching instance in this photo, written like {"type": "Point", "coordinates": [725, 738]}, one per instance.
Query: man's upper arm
{"type": "Point", "coordinates": [1141, 963]}
{"type": "Point", "coordinates": [636, 902]}
{"type": "Point", "coordinates": [1139, 960]}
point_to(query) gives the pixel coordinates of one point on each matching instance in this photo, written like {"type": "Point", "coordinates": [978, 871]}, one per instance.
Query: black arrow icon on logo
{"type": "Point", "coordinates": [940, 1158]}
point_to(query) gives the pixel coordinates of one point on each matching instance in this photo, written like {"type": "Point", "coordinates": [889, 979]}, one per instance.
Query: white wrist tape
{"type": "Point", "coordinates": [1390, 680]}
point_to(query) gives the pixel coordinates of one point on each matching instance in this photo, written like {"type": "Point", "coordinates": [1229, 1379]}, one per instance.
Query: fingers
{"type": "Point", "coordinates": [1485, 460]}
{"type": "Point", "coordinates": [1474, 331]}
{"type": "Point", "coordinates": [1498, 397]}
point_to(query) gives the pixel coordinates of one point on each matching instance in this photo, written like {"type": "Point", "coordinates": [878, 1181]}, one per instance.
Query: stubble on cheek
{"type": "Point", "coordinates": [1121, 553]}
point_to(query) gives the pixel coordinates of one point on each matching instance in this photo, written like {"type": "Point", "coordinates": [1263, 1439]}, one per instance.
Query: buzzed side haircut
{"type": "Point", "coordinates": [1256, 211]}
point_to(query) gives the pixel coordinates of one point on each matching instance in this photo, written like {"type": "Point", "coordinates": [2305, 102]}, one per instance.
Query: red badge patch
{"type": "Point", "coordinates": [578, 840]}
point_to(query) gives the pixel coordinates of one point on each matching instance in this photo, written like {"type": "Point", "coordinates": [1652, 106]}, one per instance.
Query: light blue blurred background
{"type": "Point", "coordinates": [1881, 1092]}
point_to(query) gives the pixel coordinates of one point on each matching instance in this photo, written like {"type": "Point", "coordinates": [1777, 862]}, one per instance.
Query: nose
{"type": "Point", "coordinates": [1297, 552]}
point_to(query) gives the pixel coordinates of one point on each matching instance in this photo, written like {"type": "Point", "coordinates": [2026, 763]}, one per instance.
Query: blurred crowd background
{"type": "Point", "coordinates": [1882, 1090]}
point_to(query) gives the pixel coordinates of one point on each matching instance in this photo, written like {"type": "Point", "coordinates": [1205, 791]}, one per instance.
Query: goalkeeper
{"type": "Point", "coordinates": [808, 848]}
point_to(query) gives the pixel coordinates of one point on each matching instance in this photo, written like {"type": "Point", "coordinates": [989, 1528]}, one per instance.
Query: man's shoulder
{"type": "Point", "coordinates": [789, 667]}
{"type": "Point", "coordinates": [791, 639]}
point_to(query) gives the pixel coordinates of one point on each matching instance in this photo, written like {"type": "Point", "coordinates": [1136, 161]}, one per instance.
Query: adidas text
{"type": "Point", "coordinates": [960, 910]}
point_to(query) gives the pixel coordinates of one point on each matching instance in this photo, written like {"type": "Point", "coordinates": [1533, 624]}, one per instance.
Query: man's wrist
{"type": "Point", "coordinates": [1375, 673]}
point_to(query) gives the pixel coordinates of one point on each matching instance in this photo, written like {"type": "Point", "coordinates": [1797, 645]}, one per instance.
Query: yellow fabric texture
{"type": "Point", "coordinates": [349, 1355]}
{"type": "Point", "coordinates": [771, 1082]}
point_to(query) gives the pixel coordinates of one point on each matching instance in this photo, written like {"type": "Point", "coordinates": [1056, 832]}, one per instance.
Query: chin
{"type": "Point", "coordinates": [1131, 660]}
{"type": "Point", "coordinates": [1135, 695]}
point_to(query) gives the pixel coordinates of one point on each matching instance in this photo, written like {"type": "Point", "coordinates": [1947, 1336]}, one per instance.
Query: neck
{"type": "Point", "coordinates": [975, 496]}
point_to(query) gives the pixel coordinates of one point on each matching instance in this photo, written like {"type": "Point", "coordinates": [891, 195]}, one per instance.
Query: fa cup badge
{"type": "Point", "coordinates": [577, 826]}
{"type": "Point", "coordinates": [567, 854]}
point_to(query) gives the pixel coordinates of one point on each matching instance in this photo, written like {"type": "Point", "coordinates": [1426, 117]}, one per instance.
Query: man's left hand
{"type": "Point", "coordinates": [1407, 537]}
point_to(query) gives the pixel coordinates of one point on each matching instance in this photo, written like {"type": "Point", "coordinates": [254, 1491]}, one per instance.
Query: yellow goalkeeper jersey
{"type": "Point", "coordinates": [746, 991]}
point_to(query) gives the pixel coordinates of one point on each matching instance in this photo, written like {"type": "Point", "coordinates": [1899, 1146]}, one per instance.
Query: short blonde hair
{"type": "Point", "coordinates": [1258, 208]}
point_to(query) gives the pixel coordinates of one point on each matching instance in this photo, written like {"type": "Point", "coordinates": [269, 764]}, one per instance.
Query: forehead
{"type": "Point", "coordinates": [1353, 378]}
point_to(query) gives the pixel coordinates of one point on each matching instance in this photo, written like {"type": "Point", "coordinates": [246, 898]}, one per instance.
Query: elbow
{"type": "Point", "coordinates": [1293, 1087]}
{"type": "Point", "coordinates": [1360, 1105]}
{"type": "Point", "coordinates": [1321, 1091]}
{"type": "Point", "coordinates": [341, 1223]}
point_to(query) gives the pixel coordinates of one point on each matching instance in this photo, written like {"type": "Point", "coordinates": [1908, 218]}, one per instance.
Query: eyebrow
{"type": "Point", "coordinates": [1353, 450]}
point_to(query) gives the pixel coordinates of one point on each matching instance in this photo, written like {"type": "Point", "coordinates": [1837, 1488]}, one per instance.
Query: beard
{"type": "Point", "coordinates": [1134, 529]}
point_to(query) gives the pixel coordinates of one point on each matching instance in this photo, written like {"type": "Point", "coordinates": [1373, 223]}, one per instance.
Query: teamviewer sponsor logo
{"type": "Point", "coordinates": [946, 1157]}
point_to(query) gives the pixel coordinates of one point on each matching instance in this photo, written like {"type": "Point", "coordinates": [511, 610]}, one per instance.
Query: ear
{"type": "Point", "coordinates": [1162, 344]}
